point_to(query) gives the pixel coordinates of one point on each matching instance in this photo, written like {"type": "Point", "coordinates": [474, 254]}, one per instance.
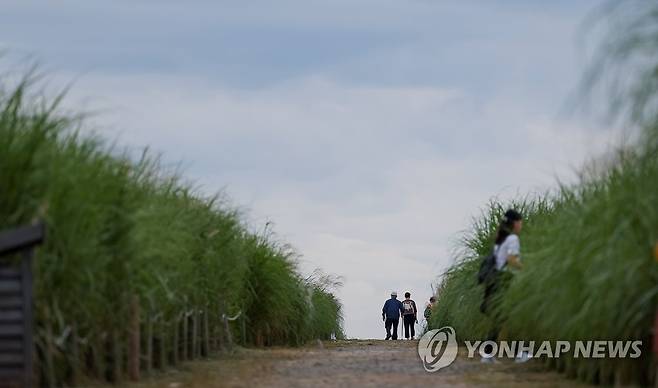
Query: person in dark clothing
{"type": "Point", "coordinates": [428, 308]}
{"type": "Point", "coordinates": [409, 316]}
{"type": "Point", "coordinates": [391, 315]}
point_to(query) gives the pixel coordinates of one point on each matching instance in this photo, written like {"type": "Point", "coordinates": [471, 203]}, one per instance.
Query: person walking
{"type": "Point", "coordinates": [507, 252]}
{"type": "Point", "coordinates": [428, 308]}
{"type": "Point", "coordinates": [391, 315]}
{"type": "Point", "coordinates": [409, 316]}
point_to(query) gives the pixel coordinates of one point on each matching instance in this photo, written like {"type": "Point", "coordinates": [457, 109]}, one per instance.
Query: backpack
{"type": "Point", "coordinates": [487, 268]}
{"type": "Point", "coordinates": [407, 307]}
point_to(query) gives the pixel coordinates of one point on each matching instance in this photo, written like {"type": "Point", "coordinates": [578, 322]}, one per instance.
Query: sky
{"type": "Point", "coordinates": [368, 132]}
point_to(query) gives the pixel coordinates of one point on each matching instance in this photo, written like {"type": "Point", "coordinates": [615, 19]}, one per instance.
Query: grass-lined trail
{"type": "Point", "coordinates": [363, 363]}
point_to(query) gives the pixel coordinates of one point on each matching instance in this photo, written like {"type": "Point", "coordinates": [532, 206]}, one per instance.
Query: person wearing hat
{"type": "Point", "coordinates": [391, 315]}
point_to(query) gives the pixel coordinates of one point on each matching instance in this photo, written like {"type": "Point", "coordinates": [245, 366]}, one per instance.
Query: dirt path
{"type": "Point", "coordinates": [350, 364]}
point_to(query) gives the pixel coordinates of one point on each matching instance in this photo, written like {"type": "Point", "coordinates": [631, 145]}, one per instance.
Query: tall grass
{"type": "Point", "coordinates": [120, 229]}
{"type": "Point", "coordinates": [589, 269]}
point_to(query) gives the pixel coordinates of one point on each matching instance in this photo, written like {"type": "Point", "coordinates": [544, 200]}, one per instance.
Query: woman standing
{"type": "Point", "coordinates": [508, 244]}
{"type": "Point", "coordinates": [507, 251]}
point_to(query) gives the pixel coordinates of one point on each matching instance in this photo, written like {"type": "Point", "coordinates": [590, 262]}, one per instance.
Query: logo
{"type": "Point", "coordinates": [522, 351]}
{"type": "Point", "coordinates": [438, 348]}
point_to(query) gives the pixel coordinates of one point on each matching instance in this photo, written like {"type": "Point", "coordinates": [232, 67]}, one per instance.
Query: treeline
{"type": "Point", "coordinates": [588, 249]}
{"type": "Point", "coordinates": [135, 254]}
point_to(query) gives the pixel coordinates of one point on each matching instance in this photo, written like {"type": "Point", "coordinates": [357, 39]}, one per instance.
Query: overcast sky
{"type": "Point", "coordinates": [369, 132]}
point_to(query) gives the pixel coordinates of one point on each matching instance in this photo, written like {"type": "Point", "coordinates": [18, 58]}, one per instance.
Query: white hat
{"type": "Point", "coordinates": [394, 293]}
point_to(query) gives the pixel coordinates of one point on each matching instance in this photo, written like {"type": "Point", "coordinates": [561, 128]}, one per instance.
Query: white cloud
{"type": "Point", "coordinates": [369, 132]}
{"type": "Point", "coordinates": [369, 183]}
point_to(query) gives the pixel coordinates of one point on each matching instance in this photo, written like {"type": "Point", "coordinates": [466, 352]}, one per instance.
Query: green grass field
{"type": "Point", "coordinates": [120, 227]}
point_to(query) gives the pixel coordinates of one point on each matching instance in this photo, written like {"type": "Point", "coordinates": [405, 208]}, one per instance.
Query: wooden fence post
{"type": "Point", "coordinates": [206, 334]}
{"type": "Point", "coordinates": [116, 356]}
{"type": "Point", "coordinates": [134, 351]}
{"type": "Point", "coordinates": [49, 352]}
{"type": "Point", "coordinates": [176, 350]}
{"type": "Point", "coordinates": [28, 349]}
{"type": "Point", "coordinates": [229, 335]}
{"type": "Point", "coordinates": [655, 341]}
{"type": "Point", "coordinates": [185, 331]}
{"type": "Point", "coordinates": [149, 344]}
{"type": "Point", "coordinates": [220, 330]}
{"type": "Point", "coordinates": [244, 329]}
{"type": "Point", "coordinates": [195, 333]}
{"type": "Point", "coordinates": [98, 354]}
{"type": "Point", "coordinates": [76, 364]}
{"type": "Point", "coordinates": [227, 329]}
{"type": "Point", "coordinates": [162, 348]}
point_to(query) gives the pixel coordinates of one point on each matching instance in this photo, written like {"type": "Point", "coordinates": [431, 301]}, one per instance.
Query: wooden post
{"type": "Point", "coordinates": [185, 331]}
{"type": "Point", "coordinates": [260, 342]}
{"type": "Point", "coordinates": [28, 342]}
{"type": "Point", "coordinates": [133, 340]}
{"type": "Point", "coordinates": [195, 334]}
{"type": "Point", "coordinates": [220, 331]}
{"type": "Point", "coordinates": [76, 364]}
{"type": "Point", "coordinates": [98, 352]}
{"type": "Point", "coordinates": [215, 337]}
{"type": "Point", "coordinates": [162, 348]}
{"type": "Point", "coordinates": [244, 329]}
{"type": "Point", "coordinates": [655, 341]}
{"type": "Point", "coordinates": [206, 334]}
{"type": "Point", "coordinates": [219, 327]}
{"type": "Point", "coordinates": [116, 356]}
{"type": "Point", "coordinates": [175, 350]}
{"type": "Point", "coordinates": [655, 333]}
{"type": "Point", "coordinates": [49, 351]}
{"type": "Point", "coordinates": [149, 344]}
{"type": "Point", "coordinates": [227, 329]}
{"type": "Point", "coordinates": [222, 327]}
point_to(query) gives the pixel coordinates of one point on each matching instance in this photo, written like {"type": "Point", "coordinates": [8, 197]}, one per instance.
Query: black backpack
{"type": "Point", "coordinates": [487, 268]}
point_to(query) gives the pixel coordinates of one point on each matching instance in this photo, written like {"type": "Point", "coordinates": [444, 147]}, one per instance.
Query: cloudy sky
{"type": "Point", "coordinates": [369, 132]}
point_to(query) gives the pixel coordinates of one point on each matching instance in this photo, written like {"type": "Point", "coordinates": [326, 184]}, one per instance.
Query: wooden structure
{"type": "Point", "coordinates": [16, 343]}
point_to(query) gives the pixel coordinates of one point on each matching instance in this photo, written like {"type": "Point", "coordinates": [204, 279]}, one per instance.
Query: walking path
{"type": "Point", "coordinates": [353, 363]}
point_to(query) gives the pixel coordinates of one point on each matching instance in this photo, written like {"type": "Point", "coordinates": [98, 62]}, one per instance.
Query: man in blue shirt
{"type": "Point", "coordinates": [391, 315]}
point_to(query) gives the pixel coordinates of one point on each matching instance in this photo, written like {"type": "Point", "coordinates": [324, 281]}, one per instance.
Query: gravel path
{"type": "Point", "coordinates": [350, 364]}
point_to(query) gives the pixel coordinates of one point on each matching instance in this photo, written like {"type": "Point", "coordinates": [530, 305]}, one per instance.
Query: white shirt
{"type": "Point", "coordinates": [510, 247]}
